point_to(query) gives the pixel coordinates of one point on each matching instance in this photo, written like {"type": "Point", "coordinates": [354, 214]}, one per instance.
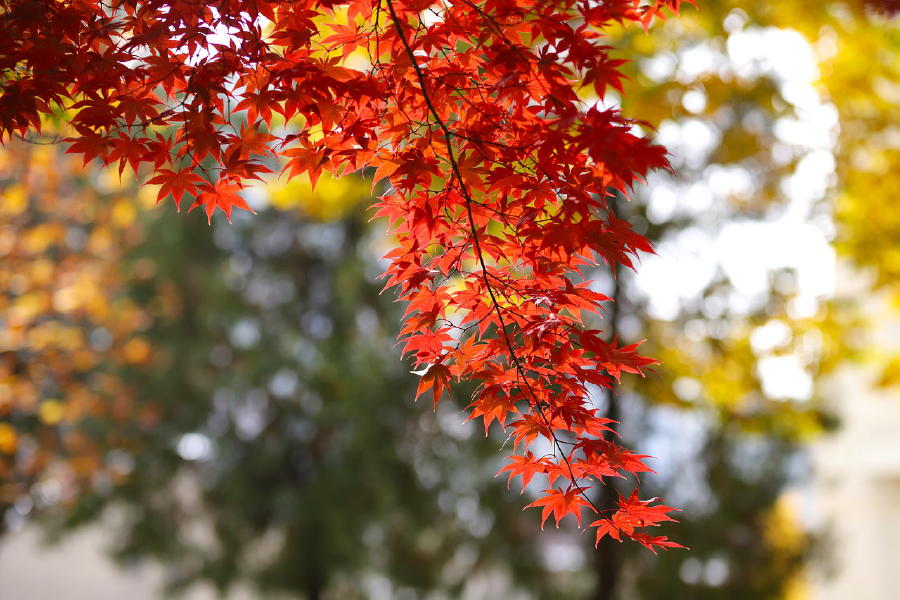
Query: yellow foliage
{"type": "Point", "coordinates": [332, 198]}
{"type": "Point", "coordinates": [40, 238]}
{"type": "Point", "coordinates": [782, 530]}
{"type": "Point", "coordinates": [13, 200]}
{"type": "Point", "coordinates": [784, 535]}
{"type": "Point", "coordinates": [51, 412]}
{"type": "Point", "coordinates": [137, 350]}
{"type": "Point", "coordinates": [8, 439]}
{"type": "Point", "coordinates": [65, 299]}
{"type": "Point", "coordinates": [61, 245]}
{"type": "Point", "coordinates": [123, 213]}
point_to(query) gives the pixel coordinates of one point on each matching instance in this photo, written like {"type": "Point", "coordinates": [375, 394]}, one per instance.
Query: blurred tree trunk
{"type": "Point", "coordinates": [607, 558]}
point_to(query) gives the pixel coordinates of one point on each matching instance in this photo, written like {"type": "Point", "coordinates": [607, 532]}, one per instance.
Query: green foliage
{"type": "Point", "coordinates": [286, 450]}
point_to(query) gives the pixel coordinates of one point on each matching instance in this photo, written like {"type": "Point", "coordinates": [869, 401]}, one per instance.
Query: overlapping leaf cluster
{"type": "Point", "coordinates": [500, 173]}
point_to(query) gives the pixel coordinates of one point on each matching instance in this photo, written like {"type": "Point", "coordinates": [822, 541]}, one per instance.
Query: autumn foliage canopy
{"type": "Point", "coordinates": [483, 116]}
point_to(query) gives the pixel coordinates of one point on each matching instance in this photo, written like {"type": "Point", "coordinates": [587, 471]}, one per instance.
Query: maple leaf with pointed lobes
{"type": "Point", "coordinates": [527, 466]}
{"type": "Point", "coordinates": [178, 184]}
{"type": "Point", "coordinates": [428, 345]}
{"type": "Point", "coordinates": [135, 108]}
{"type": "Point", "coordinates": [625, 359]}
{"type": "Point", "coordinates": [613, 358]}
{"type": "Point", "coordinates": [90, 146]}
{"type": "Point", "coordinates": [597, 467]}
{"type": "Point", "coordinates": [560, 504]}
{"type": "Point", "coordinates": [530, 426]}
{"type": "Point", "coordinates": [435, 377]}
{"type": "Point", "coordinates": [606, 73]}
{"type": "Point", "coordinates": [128, 151]}
{"type": "Point", "coordinates": [614, 455]}
{"type": "Point", "coordinates": [490, 408]}
{"type": "Point", "coordinates": [19, 109]}
{"type": "Point", "coordinates": [309, 160]}
{"type": "Point", "coordinates": [251, 141]}
{"type": "Point", "coordinates": [634, 514]}
{"type": "Point", "coordinates": [386, 165]}
{"type": "Point", "coordinates": [257, 105]}
{"type": "Point", "coordinates": [223, 195]}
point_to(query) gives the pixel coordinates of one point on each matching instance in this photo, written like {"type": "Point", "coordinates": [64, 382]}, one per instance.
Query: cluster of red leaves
{"type": "Point", "coordinates": [500, 173]}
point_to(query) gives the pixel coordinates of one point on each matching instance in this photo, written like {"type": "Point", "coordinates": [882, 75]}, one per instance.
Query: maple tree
{"type": "Point", "coordinates": [500, 173]}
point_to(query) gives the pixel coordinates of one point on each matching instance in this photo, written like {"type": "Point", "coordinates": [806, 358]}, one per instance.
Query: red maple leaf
{"type": "Point", "coordinates": [527, 466]}
{"type": "Point", "coordinates": [435, 377]}
{"type": "Point", "coordinates": [178, 184]}
{"type": "Point", "coordinates": [224, 195]}
{"type": "Point", "coordinates": [634, 514]}
{"type": "Point", "coordinates": [560, 504]}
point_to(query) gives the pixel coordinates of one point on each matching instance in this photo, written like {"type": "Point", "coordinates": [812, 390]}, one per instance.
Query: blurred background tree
{"type": "Point", "coordinates": [776, 120]}
{"type": "Point", "coordinates": [271, 435]}
{"type": "Point", "coordinates": [67, 328]}
{"type": "Point", "coordinates": [287, 451]}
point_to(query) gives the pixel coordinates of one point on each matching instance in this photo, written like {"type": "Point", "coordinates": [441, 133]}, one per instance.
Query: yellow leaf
{"type": "Point", "coordinates": [123, 214]}
{"type": "Point", "coordinates": [51, 412]}
{"type": "Point", "coordinates": [13, 200]}
{"type": "Point", "coordinates": [137, 350]}
{"type": "Point", "coordinates": [7, 439]}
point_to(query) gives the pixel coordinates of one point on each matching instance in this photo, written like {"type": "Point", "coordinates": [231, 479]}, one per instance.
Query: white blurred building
{"type": "Point", "coordinates": [856, 483]}
{"type": "Point", "coordinates": [78, 569]}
